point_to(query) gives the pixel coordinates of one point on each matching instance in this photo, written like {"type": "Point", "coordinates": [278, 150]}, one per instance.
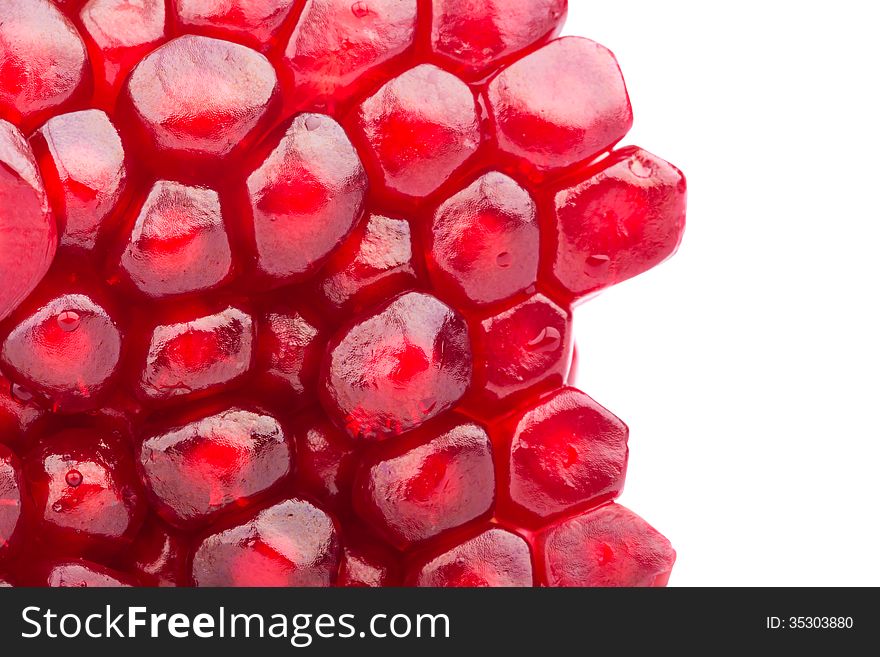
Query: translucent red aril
{"type": "Point", "coordinates": [43, 64]}
{"type": "Point", "coordinates": [522, 347]}
{"type": "Point", "coordinates": [326, 459]}
{"type": "Point", "coordinates": [83, 166]}
{"type": "Point", "coordinates": [86, 492]}
{"type": "Point", "coordinates": [68, 351]}
{"type": "Point", "coordinates": [178, 243]}
{"type": "Point", "coordinates": [159, 555]}
{"type": "Point", "coordinates": [396, 368]}
{"type": "Point", "coordinates": [83, 574]}
{"type": "Point", "coordinates": [340, 47]}
{"type": "Point", "coordinates": [18, 411]}
{"type": "Point", "coordinates": [475, 37]}
{"type": "Point", "coordinates": [305, 198]}
{"type": "Point", "coordinates": [560, 105]}
{"type": "Point", "coordinates": [28, 233]}
{"type": "Point", "coordinates": [197, 470]}
{"type": "Point", "coordinates": [621, 218]}
{"type": "Point", "coordinates": [12, 497]}
{"type": "Point", "coordinates": [495, 557]}
{"type": "Point", "coordinates": [254, 22]}
{"type": "Point", "coordinates": [610, 546]}
{"type": "Point", "coordinates": [293, 543]}
{"type": "Point", "coordinates": [119, 34]}
{"type": "Point", "coordinates": [375, 263]}
{"type": "Point", "coordinates": [566, 451]}
{"type": "Point", "coordinates": [286, 294]}
{"type": "Point", "coordinates": [484, 241]}
{"type": "Point", "coordinates": [201, 355]}
{"type": "Point", "coordinates": [290, 344]}
{"type": "Point", "coordinates": [419, 129]}
{"type": "Point", "coordinates": [367, 565]}
{"type": "Point", "coordinates": [202, 97]}
{"type": "Point", "coordinates": [413, 489]}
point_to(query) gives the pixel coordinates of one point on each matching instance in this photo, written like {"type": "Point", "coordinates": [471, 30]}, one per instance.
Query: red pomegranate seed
{"type": "Point", "coordinates": [43, 63]}
{"type": "Point", "coordinates": [197, 356]}
{"type": "Point", "coordinates": [484, 242]}
{"type": "Point", "coordinates": [339, 47]}
{"type": "Point", "coordinates": [566, 451]}
{"type": "Point", "coordinates": [293, 543]}
{"type": "Point", "coordinates": [475, 37]}
{"type": "Point", "coordinates": [286, 294]}
{"type": "Point", "coordinates": [19, 412]}
{"type": "Point", "coordinates": [68, 351]}
{"type": "Point", "coordinates": [86, 492]}
{"type": "Point", "coordinates": [413, 490]}
{"type": "Point", "coordinates": [290, 344]}
{"type": "Point", "coordinates": [178, 243]}
{"type": "Point", "coordinates": [29, 229]}
{"type": "Point", "coordinates": [252, 21]}
{"type": "Point", "coordinates": [610, 546]}
{"type": "Point", "coordinates": [543, 112]}
{"type": "Point", "coordinates": [200, 97]}
{"type": "Point", "coordinates": [305, 198]}
{"type": "Point", "coordinates": [375, 263]}
{"type": "Point", "coordinates": [326, 459]}
{"type": "Point", "coordinates": [624, 217]}
{"type": "Point", "coordinates": [83, 166]}
{"type": "Point", "coordinates": [198, 470]}
{"type": "Point", "coordinates": [419, 129]}
{"type": "Point", "coordinates": [495, 557]}
{"type": "Point", "coordinates": [159, 555]}
{"type": "Point", "coordinates": [397, 368]}
{"type": "Point", "coordinates": [521, 349]}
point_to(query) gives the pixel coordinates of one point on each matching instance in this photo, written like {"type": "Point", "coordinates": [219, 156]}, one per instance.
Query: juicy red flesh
{"type": "Point", "coordinates": [495, 557]}
{"type": "Point", "coordinates": [413, 492]}
{"type": "Point", "coordinates": [293, 543]}
{"type": "Point", "coordinates": [397, 367]}
{"type": "Point", "coordinates": [30, 234]}
{"type": "Point", "coordinates": [83, 166]}
{"type": "Point", "coordinates": [484, 242]}
{"type": "Point", "coordinates": [286, 294]}
{"type": "Point", "coordinates": [566, 451]}
{"type": "Point", "coordinates": [611, 546]}
{"type": "Point", "coordinates": [196, 471]}
{"type": "Point", "coordinates": [86, 493]}
{"type": "Point", "coordinates": [178, 243]}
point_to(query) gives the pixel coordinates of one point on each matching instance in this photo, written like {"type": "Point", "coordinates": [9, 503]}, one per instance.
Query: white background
{"type": "Point", "coordinates": [747, 367]}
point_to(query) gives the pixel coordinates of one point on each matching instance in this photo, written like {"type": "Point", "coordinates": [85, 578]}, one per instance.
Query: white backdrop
{"type": "Point", "coordinates": [747, 367]}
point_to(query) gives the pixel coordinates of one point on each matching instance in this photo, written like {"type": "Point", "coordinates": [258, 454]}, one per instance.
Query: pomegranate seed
{"type": "Point", "coordinates": [610, 546]}
{"type": "Point", "coordinates": [293, 543]}
{"type": "Point", "coordinates": [25, 217]}
{"type": "Point", "coordinates": [196, 471]}
{"type": "Point", "coordinates": [414, 490]}
{"type": "Point", "coordinates": [495, 557]}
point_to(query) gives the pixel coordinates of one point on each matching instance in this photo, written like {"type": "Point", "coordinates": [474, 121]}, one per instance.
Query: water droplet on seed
{"type": "Point", "coordinates": [360, 9]}
{"type": "Point", "coordinates": [68, 320]}
{"type": "Point", "coordinates": [57, 507]}
{"type": "Point", "coordinates": [504, 260]}
{"type": "Point", "coordinates": [546, 341]}
{"type": "Point", "coordinates": [641, 169]}
{"type": "Point", "coordinates": [73, 478]}
{"type": "Point", "coordinates": [20, 393]}
{"type": "Point", "coordinates": [598, 261]}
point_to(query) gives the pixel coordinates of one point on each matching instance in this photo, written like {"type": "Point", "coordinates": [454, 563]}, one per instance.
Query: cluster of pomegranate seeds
{"type": "Point", "coordinates": [286, 294]}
